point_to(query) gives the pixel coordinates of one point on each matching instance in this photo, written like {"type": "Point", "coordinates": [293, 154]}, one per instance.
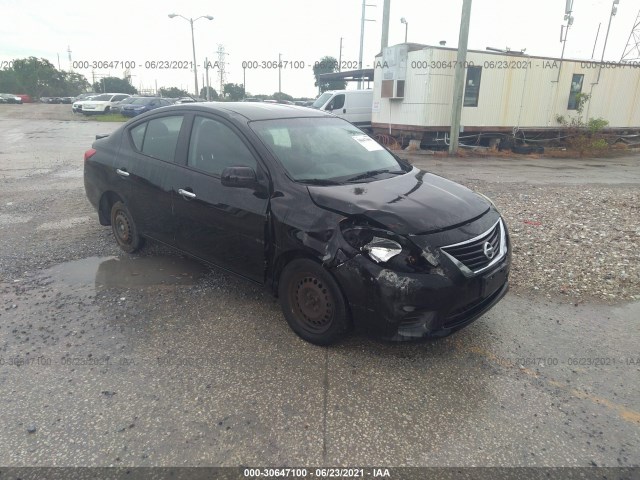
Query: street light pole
{"type": "Point", "coordinates": [193, 45]}
{"type": "Point", "coordinates": [406, 28]}
{"type": "Point", "coordinates": [195, 66]}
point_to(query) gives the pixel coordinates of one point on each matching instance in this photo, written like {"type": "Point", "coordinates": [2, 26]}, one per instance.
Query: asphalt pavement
{"type": "Point", "coordinates": [156, 360]}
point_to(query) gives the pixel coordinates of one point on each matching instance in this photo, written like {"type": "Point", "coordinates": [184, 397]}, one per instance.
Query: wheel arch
{"type": "Point", "coordinates": [104, 207]}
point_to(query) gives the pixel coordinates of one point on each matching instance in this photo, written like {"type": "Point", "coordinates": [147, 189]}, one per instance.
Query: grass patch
{"type": "Point", "coordinates": [108, 117]}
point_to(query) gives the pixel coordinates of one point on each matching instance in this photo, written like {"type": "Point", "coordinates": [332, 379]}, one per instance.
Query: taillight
{"type": "Point", "coordinates": [89, 153]}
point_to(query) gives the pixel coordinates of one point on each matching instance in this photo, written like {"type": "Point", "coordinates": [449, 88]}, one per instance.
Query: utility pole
{"type": "Point", "coordinates": [456, 111]}
{"type": "Point", "coordinates": [614, 10]}
{"type": "Point", "coordinates": [340, 56]}
{"type": "Point", "coordinates": [386, 8]}
{"type": "Point", "coordinates": [362, 20]}
{"type": "Point", "coordinates": [280, 73]}
{"type": "Point", "coordinates": [206, 71]}
{"type": "Point", "coordinates": [221, 66]}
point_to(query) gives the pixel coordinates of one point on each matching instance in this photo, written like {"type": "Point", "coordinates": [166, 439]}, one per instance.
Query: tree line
{"type": "Point", "coordinates": [38, 77]}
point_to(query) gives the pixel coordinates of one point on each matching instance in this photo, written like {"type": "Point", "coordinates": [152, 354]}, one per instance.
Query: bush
{"type": "Point", "coordinates": [584, 137]}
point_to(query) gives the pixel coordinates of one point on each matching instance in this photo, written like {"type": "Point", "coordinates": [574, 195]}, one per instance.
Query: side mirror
{"type": "Point", "coordinates": [329, 107]}
{"type": "Point", "coordinates": [239, 177]}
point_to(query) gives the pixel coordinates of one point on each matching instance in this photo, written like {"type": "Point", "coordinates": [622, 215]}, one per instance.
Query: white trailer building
{"type": "Point", "coordinates": [504, 92]}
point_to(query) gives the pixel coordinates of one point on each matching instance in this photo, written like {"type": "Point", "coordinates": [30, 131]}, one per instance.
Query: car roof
{"type": "Point", "coordinates": [255, 110]}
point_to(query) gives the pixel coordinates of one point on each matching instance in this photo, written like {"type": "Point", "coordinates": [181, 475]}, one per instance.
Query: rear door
{"type": "Point", "coordinates": [148, 165]}
{"type": "Point", "coordinates": [219, 224]}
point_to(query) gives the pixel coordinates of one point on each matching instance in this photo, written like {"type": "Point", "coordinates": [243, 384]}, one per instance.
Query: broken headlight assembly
{"type": "Point", "coordinates": [385, 247]}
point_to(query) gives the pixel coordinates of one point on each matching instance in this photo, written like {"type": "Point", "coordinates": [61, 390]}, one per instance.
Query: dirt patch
{"type": "Point", "coordinates": [40, 111]}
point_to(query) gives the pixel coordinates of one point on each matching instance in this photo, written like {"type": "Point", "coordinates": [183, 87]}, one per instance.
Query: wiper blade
{"type": "Point", "coordinates": [373, 173]}
{"type": "Point", "coordinates": [318, 181]}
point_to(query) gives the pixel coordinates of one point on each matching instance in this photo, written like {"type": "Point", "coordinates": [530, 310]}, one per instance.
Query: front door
{"type": "Point", "coordinates": [222, 225]}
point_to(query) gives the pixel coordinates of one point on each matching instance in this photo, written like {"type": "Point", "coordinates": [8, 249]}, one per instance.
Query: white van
{"type": "Point", "coordinates": [352, 105]}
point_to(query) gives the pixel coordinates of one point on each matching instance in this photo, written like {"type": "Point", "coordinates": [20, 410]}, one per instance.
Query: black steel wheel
{"type": "Point", "coordinates": [312, 302]}
{"type": "Point", "coordinates": [124, 228]}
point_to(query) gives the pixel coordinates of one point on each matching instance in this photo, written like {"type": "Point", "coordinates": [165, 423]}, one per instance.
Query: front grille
{"type": "Point", "coordinates": [472, 254]}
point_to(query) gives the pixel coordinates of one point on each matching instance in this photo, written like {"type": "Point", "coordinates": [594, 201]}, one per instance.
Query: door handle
{"type": "Point", "coordinates": [122, 173]}
{"type": "Point", "coordinates": [186, 194]}
{"type": "Point", "coordinates": [344, 110]}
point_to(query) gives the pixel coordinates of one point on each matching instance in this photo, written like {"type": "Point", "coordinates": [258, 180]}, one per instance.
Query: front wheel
{"type": "Point", "coordinates": [124, 228]}
{"type": "Point", "coordinates": [312, 302]}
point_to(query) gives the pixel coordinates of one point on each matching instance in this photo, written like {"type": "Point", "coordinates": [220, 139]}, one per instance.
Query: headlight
{"type": "Point", "coordinates": [385, 247]}
{"type": "Point", "coordinates": [382, 249]}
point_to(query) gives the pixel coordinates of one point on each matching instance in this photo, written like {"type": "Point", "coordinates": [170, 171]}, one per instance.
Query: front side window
{"type": "Point", "coordinates": [336, 103]}
{"type": "Point", "coordinates": [576, 88]}
{"type": "Point", "coordinates": [161, 137]}
{"type": "Point", "coordinates": [214, 147]}
{"type": "Point", "coordinates": [472, 86]}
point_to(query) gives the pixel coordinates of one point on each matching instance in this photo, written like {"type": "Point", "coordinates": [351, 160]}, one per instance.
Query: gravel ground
{"type": "Point", "coordinates": [578, 241]}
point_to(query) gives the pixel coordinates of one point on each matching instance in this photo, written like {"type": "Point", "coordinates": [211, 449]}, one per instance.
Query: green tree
{"type": "Point", "coordinates": [234, 91]}
{"type": "Point", "coordinates": [38, 77]}
{"type": "Point", "coordinates": [114, 85]}
{"type": "Point", "coordinates": [9, 82]}
{"type": "Point", "coordinates": [173, 92]}
{"type": "Point", "coordinates": [327, 65]}
{"type": "Point", "coordinates": [213, 95]}
{"type": "Point", "coordinates": [73, 84]}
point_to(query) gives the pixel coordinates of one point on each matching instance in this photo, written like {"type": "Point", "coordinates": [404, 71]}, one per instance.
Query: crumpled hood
{"type": "Point", "coordinates": [414, 203]}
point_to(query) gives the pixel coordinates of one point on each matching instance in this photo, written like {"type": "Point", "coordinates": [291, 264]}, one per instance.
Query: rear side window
{"type": "Point", "coordinates": [161, 137]}
{"type": "Point", "coordinates": [214, 147]}
{"type": "Point", "coordinates": [137, 135]}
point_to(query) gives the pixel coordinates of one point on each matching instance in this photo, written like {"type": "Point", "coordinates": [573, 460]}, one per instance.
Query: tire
{"type": "Point", "coordinates": [124, 228]}
{"type": "Point", "coordinates": [312, 302]}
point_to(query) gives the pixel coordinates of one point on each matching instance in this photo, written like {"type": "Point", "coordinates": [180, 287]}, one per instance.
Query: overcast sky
{"type": "Point", "coordinates": [300, 30]}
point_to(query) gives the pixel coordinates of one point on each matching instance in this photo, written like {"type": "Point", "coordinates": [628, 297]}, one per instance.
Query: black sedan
{"type": "Point", "coordinates": [342, 231]}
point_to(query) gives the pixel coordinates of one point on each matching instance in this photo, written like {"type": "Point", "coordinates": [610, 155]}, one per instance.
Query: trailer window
{"type": "Point", "coordinates": [576, 88]}
{"type": "Point", "coordinates": [472, 86]}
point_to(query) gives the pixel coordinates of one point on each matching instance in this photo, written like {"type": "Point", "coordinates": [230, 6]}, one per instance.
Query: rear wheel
{"type": "Point", "coordinates": [124, 228]}
{"type": "Point", "coordinates": [312, 302]}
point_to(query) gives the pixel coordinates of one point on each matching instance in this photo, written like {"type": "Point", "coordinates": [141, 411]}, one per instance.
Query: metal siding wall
{"type": "Point", "coordinates": [510, 97]}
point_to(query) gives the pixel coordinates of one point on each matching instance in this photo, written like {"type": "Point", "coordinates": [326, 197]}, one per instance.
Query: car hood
{"type": "Point", "coordinates": [414, 203]}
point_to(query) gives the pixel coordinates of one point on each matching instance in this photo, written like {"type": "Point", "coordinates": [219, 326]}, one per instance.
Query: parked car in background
{"type": "Point", "coordinates": [25, 98]}
{"type": "Point", "coordinates": [356, 106]}
{"type": "Point", "coordinates": [66, 100]}
{"type": "Point", "coordinates": [117, 108]}
{"type": "Point", "coordinates": [10, 98]}
{"type": "Point", "coordinates": [83, 97]}
{"type": "Point", "coordinates": [188, 100]}
{"type": "Point", "coordinates": [307, 204]}
{"type": "Point", "coordinates": [102, 103]}
{"type": "Point", "coordinates": [143, 104]}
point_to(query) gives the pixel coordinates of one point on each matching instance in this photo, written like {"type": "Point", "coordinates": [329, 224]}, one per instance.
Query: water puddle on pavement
{"type": "Point", "coordinates": [127, 272]}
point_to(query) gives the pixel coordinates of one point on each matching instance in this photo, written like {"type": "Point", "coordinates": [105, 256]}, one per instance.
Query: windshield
{"type": "Point", "coordinates": [142, 101]}
{"type": "Point", "coordinates": [325, 149]}
{"type": "Point", "coordinates": [322, 99]}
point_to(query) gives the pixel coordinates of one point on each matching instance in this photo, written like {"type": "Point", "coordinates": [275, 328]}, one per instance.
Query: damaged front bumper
{"type": "Point", "coordinates": [402, 306]}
